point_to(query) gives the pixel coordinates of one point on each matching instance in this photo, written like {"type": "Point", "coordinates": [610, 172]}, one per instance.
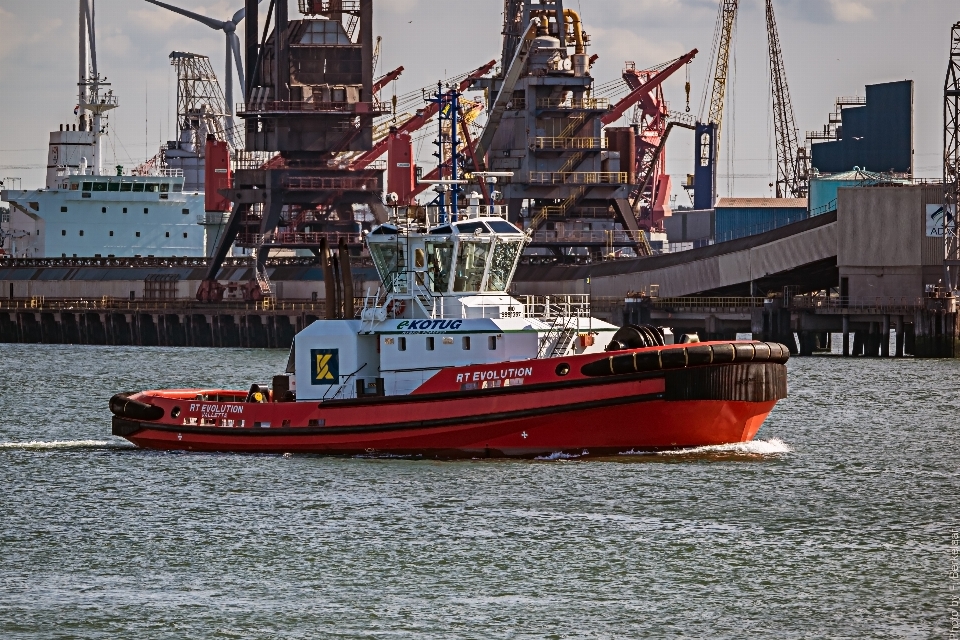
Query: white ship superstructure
{"type": "Point", "coordinates": [83, 211]}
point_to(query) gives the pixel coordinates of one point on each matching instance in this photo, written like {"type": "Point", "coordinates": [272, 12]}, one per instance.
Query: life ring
{"type": "Point", "coordinates": [396, 307]}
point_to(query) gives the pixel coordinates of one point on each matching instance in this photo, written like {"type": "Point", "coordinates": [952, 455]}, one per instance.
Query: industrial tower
{"type": "Point", "coordinates": [545, 127]}
{"type": "Point", "coordinates": [309, 97]}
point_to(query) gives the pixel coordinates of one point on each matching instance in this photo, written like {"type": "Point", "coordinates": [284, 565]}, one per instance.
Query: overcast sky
{"type": "Point", "coordinates": [830, 47]}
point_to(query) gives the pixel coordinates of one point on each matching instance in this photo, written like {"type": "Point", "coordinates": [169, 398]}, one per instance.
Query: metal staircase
{"type": "Point", "coordinates": [263, 280]}
{"type": "Point", "coordinates": [560, 210]}
{"type": "Point", "coordinates": [560, 335]}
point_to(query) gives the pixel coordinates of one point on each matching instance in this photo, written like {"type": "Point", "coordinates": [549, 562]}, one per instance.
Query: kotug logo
{"type": "Point", "coordinates": [429, 326]}
{"type": "Point", "coordinates": [324, 366]}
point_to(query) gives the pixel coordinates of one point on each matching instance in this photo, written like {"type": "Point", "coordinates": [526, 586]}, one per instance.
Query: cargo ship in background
{"type": "Point", "coordinates": [88, 210]}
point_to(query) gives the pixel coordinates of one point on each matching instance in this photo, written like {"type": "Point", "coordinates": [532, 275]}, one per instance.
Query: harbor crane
{"type": "Point", "coordinates": [708, 131]}
{"type": "Point", "coordinates": [951, 164]}
{"type": "Point", "coordinates": [792, 159]}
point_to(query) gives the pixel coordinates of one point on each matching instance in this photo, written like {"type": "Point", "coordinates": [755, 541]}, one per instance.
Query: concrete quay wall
{"type": "Point", "coordinates": [254, 327]}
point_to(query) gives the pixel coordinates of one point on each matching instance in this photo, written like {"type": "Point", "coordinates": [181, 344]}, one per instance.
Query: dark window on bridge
{"type": "Point", "coordinates": [184, 235]}
{"type": "Point", "coordinates": [111, 234]}
{"type": "Point", "coordinates": [103, 209]}
{"type": "Point", "coordinates": [64, 232]}
{"type": "Point", "coordinates": [124, 209]}
{"type": "Point", "coordinates": [63, 209]}
{"type": "Point", "coordinates": [138, 234]}
{"type": "Point", "coordinates": [81, 232]}
{"type": "Point", "coordinates": [186, 212]}
{"type": "Point", "coordinates": [146, 210]}
{"type": "Point", "coordinates": [168, 234]}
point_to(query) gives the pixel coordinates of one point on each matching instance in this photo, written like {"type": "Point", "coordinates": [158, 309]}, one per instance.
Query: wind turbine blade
{"type": "Point", "coordinates": [228, 78]}
{"type": "Point", "coordinates": [235, 45]}
{"type": "Point", "coordinates": [210, 22]}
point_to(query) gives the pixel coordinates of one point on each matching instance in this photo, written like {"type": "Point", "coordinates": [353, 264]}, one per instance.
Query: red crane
{"type": "Point", "coordinates": [650, 122]}
{"type": "Point", "coordinates": [417, 121]}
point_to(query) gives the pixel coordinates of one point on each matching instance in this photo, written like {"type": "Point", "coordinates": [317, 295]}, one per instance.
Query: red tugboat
{"type": "Point", "coordinates": [443, 362]}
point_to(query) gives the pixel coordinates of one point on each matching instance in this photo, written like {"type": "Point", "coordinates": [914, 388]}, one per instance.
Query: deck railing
{"type": "Point", "coordinates": [578, 177]}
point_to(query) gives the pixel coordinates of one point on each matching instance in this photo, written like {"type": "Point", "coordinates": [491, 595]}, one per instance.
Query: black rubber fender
{"type": "Point", "coordinates": [122, 406]}
{"type": "Point", "coordinates": [681, 357]}
{"type": "Point", "coordinates": [634, 336]}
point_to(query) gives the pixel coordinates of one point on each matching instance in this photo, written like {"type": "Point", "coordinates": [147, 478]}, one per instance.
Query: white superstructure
{"type": "Point", "coordinates": [444, 302]}
{"type": "Point", "coordinates": [122, 216]}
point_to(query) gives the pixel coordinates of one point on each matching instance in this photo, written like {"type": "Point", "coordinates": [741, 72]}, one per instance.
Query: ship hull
{"type": "Point", "coordinates": [589, 416]}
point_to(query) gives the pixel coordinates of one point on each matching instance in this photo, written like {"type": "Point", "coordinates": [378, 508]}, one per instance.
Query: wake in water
{"type": "Point", "coordinates": [35, 445]}
{"type": "Point", "coordinates": [559, 455]}
{"type": "Point", "coordinates": [771, 447]}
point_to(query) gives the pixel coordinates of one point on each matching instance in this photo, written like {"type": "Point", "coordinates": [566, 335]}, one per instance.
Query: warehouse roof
{"type": "Point", "coordinates": [762, 203]}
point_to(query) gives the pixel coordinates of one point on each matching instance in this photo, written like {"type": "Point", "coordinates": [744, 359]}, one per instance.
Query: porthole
{"type": "Point", "coordinates": [563, 369]}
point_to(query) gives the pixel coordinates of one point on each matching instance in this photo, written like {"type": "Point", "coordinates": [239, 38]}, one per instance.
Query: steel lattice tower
{"type": "Point", "coordinates": [951, 162]}
{"type": "Point", "coordinates": [200, 101]}
{"type": "Point", "coordinates": [790, 174]}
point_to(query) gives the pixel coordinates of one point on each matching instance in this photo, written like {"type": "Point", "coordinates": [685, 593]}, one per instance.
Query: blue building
{"type": "Point", "coordinates": [741, 217]}
{"type": "Point", "coordinates": [874, 133]}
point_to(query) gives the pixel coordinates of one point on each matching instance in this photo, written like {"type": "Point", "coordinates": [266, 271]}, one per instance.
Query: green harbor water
{"type": "Point", "coordinates": [837, 522]}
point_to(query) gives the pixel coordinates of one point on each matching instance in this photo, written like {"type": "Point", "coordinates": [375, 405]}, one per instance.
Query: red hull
{"type": "Point", "coordinates": [643, 425]}
{"type": "Point", "coordinates": [567, 405]}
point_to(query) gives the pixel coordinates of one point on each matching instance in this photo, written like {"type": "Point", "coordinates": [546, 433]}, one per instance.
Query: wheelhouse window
{"type": "Point", "coordinates": [126, 186]}
{"type": "Point", "coordinates": [113, 186]}
{"type": "Point", "coordinates": [138, 187]}
{"type": "Point", "coordinates": [151, 187]}
{"type": "Point", "coordinates": [391, 265]}
{"type": "Point", "coordinates": [439, 264]}
{"type": "Point", "coordinates": [88, 186]}
{"type": "Point", "coordinates": [99, 186]}
{"type": "Point", "coordinates": [471, 264]}
{"type": "Point", "coordinates": [164, 187]}
{"type": "Point", "coordinates": [504, 259]}
{"type": "Point", "coordinates": [472, 227]}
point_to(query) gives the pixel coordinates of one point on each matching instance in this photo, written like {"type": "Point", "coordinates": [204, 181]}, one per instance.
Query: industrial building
{"type": "Point", "coordinates": [873, 133]}
{"type": "Point", "coordinates": [740, 217]}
